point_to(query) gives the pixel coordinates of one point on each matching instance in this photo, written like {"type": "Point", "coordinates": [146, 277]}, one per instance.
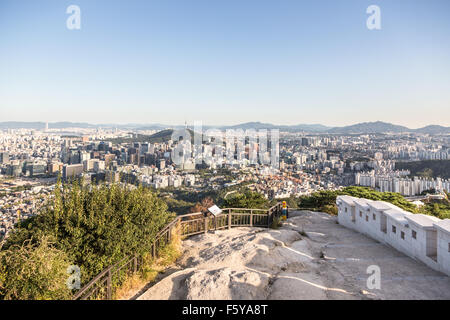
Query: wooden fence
{"type": "Point", "coordinates": [102, 286]}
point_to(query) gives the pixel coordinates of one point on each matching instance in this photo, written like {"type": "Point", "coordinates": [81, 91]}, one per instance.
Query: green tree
{"type": "Point", "coordinates": [247, 199]}
{"type": "Point", "coordinates": [96, 226]}
{"type": "Point", "coordinates": [326, 200]}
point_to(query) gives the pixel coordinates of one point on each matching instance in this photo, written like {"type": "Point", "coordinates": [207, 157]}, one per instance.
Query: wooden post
{"type": "Point", "coordinates": [229, 219]}
{"type": "Point", "coordinates": [109, 286]}
{"type": "Point", "coordinates": [154, 250]}
{"type": "Point", "coordinates": [206, 225]}
{"type": "Point", "coordinates": [251, 218]}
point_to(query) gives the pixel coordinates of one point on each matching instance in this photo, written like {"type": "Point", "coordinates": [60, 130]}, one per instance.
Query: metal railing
{"type": "Point", "coordinates": [102, 286]}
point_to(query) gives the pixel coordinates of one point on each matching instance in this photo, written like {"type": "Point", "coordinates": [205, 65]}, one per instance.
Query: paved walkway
{"type": "Point", "coordinates": [351, 253]}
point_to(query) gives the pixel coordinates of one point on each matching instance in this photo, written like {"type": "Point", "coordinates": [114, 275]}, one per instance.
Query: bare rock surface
{"type": "Point", "coordinates": [309, 257]}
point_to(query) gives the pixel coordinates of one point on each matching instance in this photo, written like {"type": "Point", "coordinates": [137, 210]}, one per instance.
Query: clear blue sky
{"type": "Point", "coordinates": [225, 62]}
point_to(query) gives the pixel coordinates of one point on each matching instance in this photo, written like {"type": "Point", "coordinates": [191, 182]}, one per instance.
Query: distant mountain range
{"type": "Point", "coordinates": [384, 127]}
{"type": "Point", "coordinates": [260, 125]}
{"type": "Point", "coordinates": [365, 127]}
{"type": "Point", "coordinates": [369, 127]}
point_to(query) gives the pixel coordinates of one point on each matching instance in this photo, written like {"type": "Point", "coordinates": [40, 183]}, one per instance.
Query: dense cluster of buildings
{"type": "Point", "coordinates": [415, 153]}
{"type": "Point", "coordinates": [307, 162]}
{"type": "Point", "coordinates": [20, 204]}
{"type": "Point", "coordinates": [398, 181]}
{"type": "Point", "coordinates": [366, 160]}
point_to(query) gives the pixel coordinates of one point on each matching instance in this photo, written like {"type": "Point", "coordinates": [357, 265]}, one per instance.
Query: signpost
{"type": "Point", "coordinates": [215, 210]}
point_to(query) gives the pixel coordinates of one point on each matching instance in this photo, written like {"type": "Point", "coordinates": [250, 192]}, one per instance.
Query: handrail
{"type": "Point", "coordinates": [198, 228]}
{"type": "Point", "coordinates": [91, 283]}
{"type": "Point", "coordinates": [246, 209]}
{"type": "Point", "coordinates": [189, 214]}
{"type": "Point", "coordinates": [223, 211]}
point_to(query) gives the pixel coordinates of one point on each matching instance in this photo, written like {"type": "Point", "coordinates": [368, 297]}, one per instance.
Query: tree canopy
{"type": "Point", "coordinates": [94, 226]}
{"type": "Point", "coordinates": [326, 201]}
{"type": "Point", "coordinates": [246, 199]}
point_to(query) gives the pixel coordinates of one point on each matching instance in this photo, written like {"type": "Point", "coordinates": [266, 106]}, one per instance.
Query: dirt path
{"type": "Point", "coordinates": [310, 257]}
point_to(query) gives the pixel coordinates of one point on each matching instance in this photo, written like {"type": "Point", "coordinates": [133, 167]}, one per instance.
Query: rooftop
{"type": "Point", "coordinates": [422, 220]}
{"type": "Point", "coordinates": [347, 199]}
{"type": "Point", "coordinates": [443, 225]}
{"type": "Point", "coordinates": [398, 215]}
{"type": "Point", "coordinates": [363, 202]}
{"type": "Point", "coordinates": [382, 205]}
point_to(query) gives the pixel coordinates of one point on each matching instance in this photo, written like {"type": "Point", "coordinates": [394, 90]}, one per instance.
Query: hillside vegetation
{"type": "Point", "coordinates": [247, 199]}
{"type": "Point", "coordinates": [158, 137]}
{"type": "Point", "coordinates": [89, 227]}
{"type": "Point", "coordinates": [426, 168]}
{"type": "Point", "coordinates": [325, 201]}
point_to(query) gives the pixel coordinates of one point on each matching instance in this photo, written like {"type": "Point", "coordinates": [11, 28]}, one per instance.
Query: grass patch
{"type": "Point", "coordinates": [276, 223]}
{"type": "Point", "coordinates": [151, 268]}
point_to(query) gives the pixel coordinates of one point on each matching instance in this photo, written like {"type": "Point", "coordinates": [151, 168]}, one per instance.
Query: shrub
{"type": "Point", "coordinates": [276, 223]}
{"type": "Point", "coordinates": [330, 209]}
{"type": "Point", "coordinates": [97, 226]}
{"type": "Point", "coordinates": [151, 267]}
{"type": "Point", "coordinates": [326, 200]}
{"type": "Point", "coordinates": [34, 271]}
{"type": "Point", "coordinates": [247, 199]}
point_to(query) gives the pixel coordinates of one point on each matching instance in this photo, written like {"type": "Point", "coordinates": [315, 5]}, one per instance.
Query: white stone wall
{"type": "Point", "coordinates": [418, 249]}
{"type": "Point", "coordinates": [438, 238]}
{"type": "Point", "coordinates": [443, 250]}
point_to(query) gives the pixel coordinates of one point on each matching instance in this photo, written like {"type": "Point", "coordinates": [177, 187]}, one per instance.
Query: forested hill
{"type": "Point", "coordinates": [426, 168]}
{"type": "Point", "coordinates": [159, 137]}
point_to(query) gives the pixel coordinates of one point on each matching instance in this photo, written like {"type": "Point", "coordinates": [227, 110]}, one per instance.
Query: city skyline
{"type": "Point", "coordinates": [314, 127]}
{"type": "Point", "coordinates": [226, 63]}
